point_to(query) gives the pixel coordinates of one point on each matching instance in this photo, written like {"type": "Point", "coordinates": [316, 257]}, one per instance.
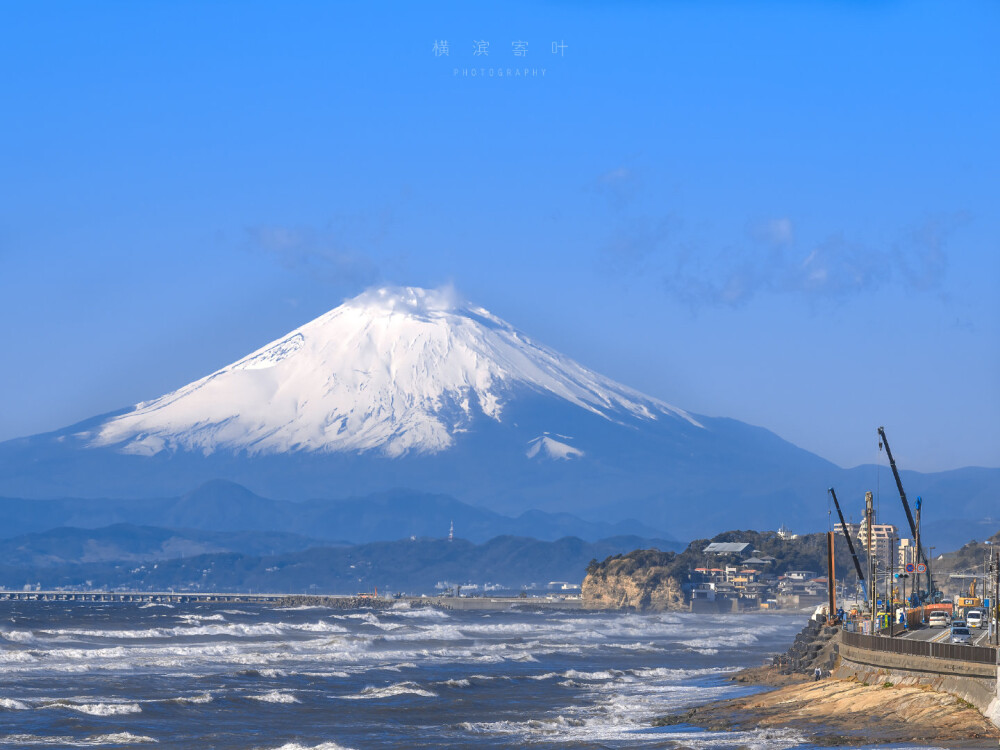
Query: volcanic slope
{"type": "Point", "coordinates": [408, 388]}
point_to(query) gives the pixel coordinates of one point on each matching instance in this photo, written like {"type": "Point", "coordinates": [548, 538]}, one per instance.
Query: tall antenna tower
{"type": "Point", "coordinates": [451, 532]}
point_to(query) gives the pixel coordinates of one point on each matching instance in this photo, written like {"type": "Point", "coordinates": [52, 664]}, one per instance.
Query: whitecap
{"type": "Point", "coordinates": [399, 688]}
{"type": "Point", "coordinates": [321, 746]}
{"type": "Point", "coordinates": [19, 636]}
{"type": "Point", "coordinates": [98, 709]}
{"type": "Point", "coordinates": [275, 696]}
{"type": "Point", "coordinates": [116, 738]}
{"type": "Point", "coordinates": [199, 698]}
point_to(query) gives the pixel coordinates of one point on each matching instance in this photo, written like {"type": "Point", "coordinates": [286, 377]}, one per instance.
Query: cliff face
{"type": "Point", "coordinates": [619, 583]}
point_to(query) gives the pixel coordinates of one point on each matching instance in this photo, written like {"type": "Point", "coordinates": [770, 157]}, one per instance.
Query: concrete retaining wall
{"type": "Point", "coordinates": [975, 683]}
{"type": "Point", "coordinates": [889, 660]}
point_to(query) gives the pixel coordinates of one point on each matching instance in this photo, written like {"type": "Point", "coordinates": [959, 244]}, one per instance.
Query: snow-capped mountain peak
{"type": "Point", "coordinates": [394, 370]}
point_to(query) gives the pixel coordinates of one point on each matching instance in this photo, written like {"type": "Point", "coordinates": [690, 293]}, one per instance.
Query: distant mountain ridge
{"type": "Point", "coordinates": [411, 566]}
{"type": "Point", "coordinates": [229, 508]}
{"type": "Point", "coordinates": [124, 542]}
{"type": "Point", "coordinates": [409, 388]}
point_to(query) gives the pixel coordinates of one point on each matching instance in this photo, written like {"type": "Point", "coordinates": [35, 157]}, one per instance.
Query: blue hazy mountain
{"type": "Point", "coordinates": [413, 566]}
{"type": "Point", "coordinates": [407, 388]}
{"type": "Point", "coordinates": [227, 516]}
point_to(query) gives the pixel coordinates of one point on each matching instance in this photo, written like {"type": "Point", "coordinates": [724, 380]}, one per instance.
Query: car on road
{"type": "Point", "coordinates": [974, 617]}
{"type": "Point", "coordinates": [958, 624]}
{"type": "Point", "coordinates": [938, 619]}
{"type": "Point", "coordinates": [961, 635]}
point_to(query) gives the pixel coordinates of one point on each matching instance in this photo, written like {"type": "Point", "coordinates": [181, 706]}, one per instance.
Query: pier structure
{"type": "Point", "coordinates": [153, 597]}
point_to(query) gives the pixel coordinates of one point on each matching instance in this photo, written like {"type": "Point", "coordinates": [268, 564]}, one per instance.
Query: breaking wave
{"type": "Point", "coordinates": [98, 709]}
{"type": "Point", "coordinates": [400, 688]}
{"type": "Point", "coordinates": [98, 740]}
{"type": "Point", "coordinates": [275, 696]}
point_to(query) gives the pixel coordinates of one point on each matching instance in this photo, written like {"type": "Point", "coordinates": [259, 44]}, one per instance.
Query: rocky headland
{"type": "Point", "coordinates": [644, 580]}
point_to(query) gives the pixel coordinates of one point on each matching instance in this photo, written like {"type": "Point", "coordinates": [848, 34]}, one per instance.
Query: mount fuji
{"type": "Point", "coordinates": [411, 388]}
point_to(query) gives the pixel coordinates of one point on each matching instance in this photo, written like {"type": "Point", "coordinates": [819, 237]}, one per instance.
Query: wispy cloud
{"type": "Point", "coordinates": [771, 260]}
{"type": "Point", "coordinates": [618, 186]}
{"type": "Point", "coordinates": [779, 231]}
{"type": "Point", "coordinates": [340, 253]}
{"type": "Point", "coordinates": [634, 248]}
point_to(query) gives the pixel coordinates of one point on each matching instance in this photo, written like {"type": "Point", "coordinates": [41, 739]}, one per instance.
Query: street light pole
{"type": "Point", "coordinates": [930, 581]}
{"type": "Point", "coordinates": [891, 580]}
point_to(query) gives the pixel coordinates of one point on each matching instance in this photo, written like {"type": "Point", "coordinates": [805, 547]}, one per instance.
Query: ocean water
{"type": "Point", "coordinates": [248, 676]}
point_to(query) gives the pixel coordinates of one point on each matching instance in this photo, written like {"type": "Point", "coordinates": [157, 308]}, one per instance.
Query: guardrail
{"type": "Point", "coordinates": [956, 651]}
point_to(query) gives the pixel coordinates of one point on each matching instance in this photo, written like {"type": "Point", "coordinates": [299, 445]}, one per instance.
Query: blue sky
{"type": "Point", "coordinates": [780, 212]}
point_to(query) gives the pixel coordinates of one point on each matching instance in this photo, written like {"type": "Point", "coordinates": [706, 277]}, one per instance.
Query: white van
{"type": "Point", "coordinates": [974, 617]}
{"type": "Point", "coordinates": [938, 618]}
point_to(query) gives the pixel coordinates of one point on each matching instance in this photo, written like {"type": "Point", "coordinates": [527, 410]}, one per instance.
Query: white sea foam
{"type": "Point", "coordinates": [97, 709]}
{"type": "Point", "coordinates": [275, 696]}
{"type": "Point", "coordinates": [321, 746]}
{"type": "Point", "coordinates": [202, 618]}
{"type": "Point", "coordinates": [404, 609]}
{"type": "Point", "coordinates": [599, 675]}
{"type": "Point", "coordinates": [366, 617]}
{"type": "Point", "coordinates": [319, 627]}
{"type": "Point", "coordinates": [399, 688]}
{"type": "Point", "coordinates": [230, 629]}
{"type": "Point", "coordinates": [575, 730]}
{"type": "Point", "coordinates": [301, 608]}
{"type": "Point", "coordinates": [199, 698]}
{"type": "Point", "coordinates": [116, 738]}
{"type": "Point", "coordinates": [9, 704]}
{"type": "Point", "coordinates": [19, 636]}
{"type": "Point", "coordinates": [431, 633]}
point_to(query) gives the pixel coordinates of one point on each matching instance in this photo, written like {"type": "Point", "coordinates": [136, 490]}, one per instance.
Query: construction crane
{"type": "Point", "coordinates": [850, 544]}
{"type": "Point", "coordinates": [906, 507]}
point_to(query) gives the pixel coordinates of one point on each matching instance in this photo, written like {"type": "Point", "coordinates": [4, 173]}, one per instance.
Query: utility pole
{"type": "Point", "coordinates": [831, 581]}
{"type": "Point", "coordinates": [996, 599]}
{"type": "Point", "coordinates": [892, 579]}
{"type": "Point", "coordinates": [916, 543]}
{"type": "Point", "coordinates": [869, 520]}
{"type": "Point", "coordinates": [930, 580]}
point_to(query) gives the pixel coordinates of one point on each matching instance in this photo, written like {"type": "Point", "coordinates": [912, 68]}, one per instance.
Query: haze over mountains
{"type": "Point", "coordinates": [229, 508]}
{"type": "Point", "coordinates": [412, 391]}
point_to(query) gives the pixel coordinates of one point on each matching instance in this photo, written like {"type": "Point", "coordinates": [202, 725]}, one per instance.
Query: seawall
{"type": "Point", "coordinates": [976, 683]}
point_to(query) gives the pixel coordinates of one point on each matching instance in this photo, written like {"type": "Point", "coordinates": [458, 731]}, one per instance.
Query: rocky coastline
{"type": "Point", "coordinates": [836, 712]}
{"type": "Point", "coordinates": [643, 581]}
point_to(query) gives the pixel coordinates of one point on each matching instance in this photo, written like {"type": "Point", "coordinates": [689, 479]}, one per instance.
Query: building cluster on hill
{"type": "Point", "coordinates": [733, 571]}
{"type": "Point", "coordinates": [744, 578]}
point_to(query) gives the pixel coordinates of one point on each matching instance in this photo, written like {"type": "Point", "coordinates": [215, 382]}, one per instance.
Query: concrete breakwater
{"type": "Point", "coordinates": [814, 646]}
{"type": "Point", "coordinates": [343, 601]}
